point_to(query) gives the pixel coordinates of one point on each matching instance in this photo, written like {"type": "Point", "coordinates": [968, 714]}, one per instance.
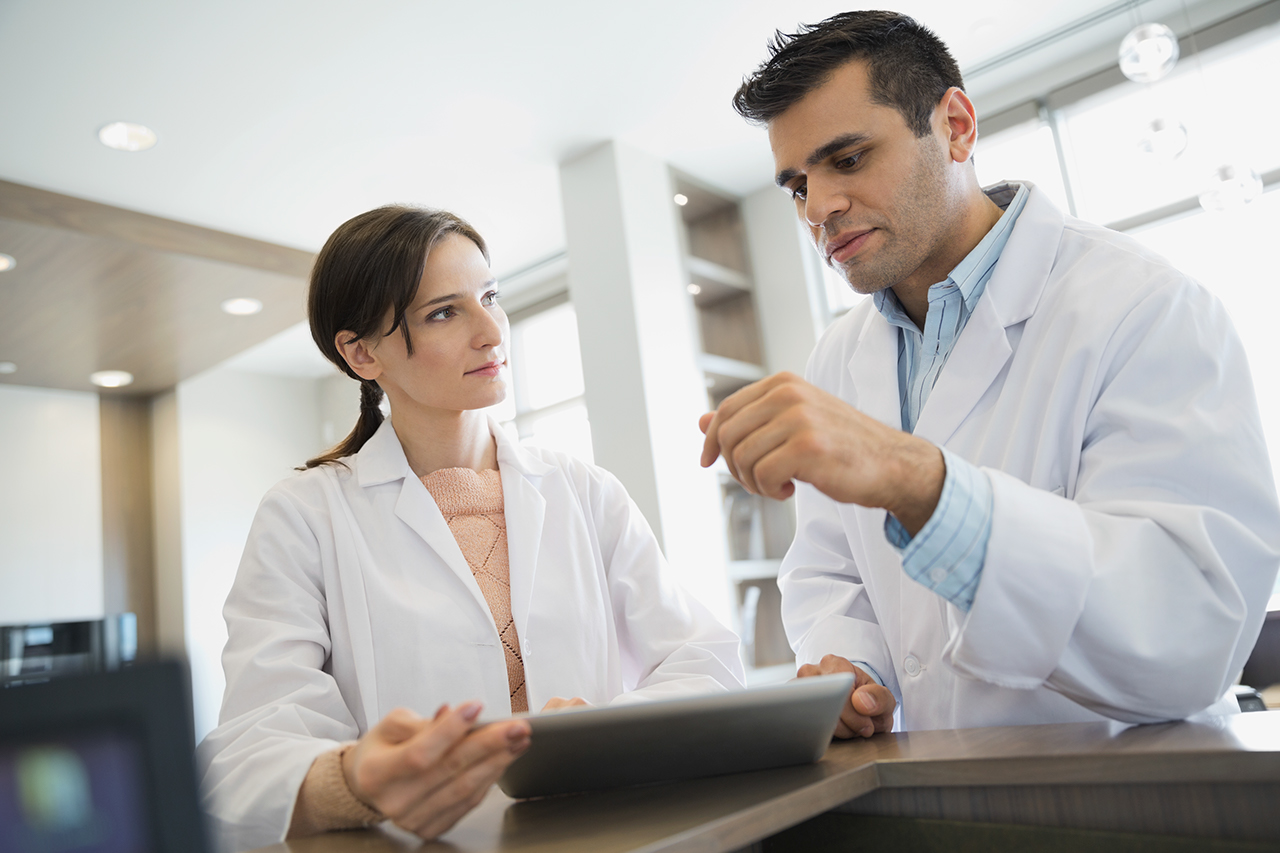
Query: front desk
{"type": "Point", "coordinates": [1094, 786]}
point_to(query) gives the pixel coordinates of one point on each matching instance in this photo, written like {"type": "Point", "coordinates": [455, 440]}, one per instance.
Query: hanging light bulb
{"type": "Point", "coordinates": [1233, 186]}
{"type": "Point", "coordinates": [1148, 53]}
{"type": "Point", "coordinates": [1164, 139]}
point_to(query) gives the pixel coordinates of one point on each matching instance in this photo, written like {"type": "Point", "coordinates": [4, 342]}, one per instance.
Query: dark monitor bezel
{"type": "Point", "coordinates": [149, 701]}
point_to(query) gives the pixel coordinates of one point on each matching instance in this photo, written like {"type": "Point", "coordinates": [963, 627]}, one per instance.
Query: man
{"type": "Point", "coordinates": [1030, 476]}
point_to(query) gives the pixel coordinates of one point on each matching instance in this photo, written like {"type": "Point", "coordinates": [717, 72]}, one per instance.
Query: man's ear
{"type": "Point", "coordinates": [358, 355]}
{"type": "Point", "coordinates": [958, 120]}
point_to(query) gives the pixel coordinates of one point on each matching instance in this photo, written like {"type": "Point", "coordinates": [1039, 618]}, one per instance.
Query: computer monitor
{"type": "Point", "coordinates": [38, 652]}
{"type": "Point", "coordinates": [100, 763]}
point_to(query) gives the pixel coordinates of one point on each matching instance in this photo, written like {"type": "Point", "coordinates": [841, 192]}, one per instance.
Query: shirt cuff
{"type": "Point", "coordinates": [948, 553]}
{"type": "Point", "coordinates": [866, 667]}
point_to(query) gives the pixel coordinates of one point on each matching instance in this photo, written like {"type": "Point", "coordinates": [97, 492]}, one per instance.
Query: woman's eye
{"type": "Point", "coordinates": [491, 298]}
{"type": "Point", "coordinates": [441, 313]}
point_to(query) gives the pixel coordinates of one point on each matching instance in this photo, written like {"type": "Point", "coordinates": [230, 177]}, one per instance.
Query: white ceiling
{"type": "Point", "coordinates": [279, 119]}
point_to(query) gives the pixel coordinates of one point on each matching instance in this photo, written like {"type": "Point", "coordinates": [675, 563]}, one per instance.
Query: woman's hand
{"type": "Point", "coordinates": [426, 774]}
{"type": "Point", "coordinates": [557, 703]}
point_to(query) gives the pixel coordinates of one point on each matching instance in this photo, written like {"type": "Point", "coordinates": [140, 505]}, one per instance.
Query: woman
{"type": "Point", "coordinates": [426, 561]}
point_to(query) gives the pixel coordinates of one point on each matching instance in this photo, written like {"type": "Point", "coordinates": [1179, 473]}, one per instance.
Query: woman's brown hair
{"type": "Point", "coordinates": [371, 265]}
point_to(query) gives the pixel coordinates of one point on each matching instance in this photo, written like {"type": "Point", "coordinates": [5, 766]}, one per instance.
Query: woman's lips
{"type": "Point", "coordinates": [846, 246]}
{"type": "Point", "coordinates": [493, 368]}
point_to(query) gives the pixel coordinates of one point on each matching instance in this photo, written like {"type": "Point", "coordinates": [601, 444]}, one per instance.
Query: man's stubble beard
{"type": "Point", "coordinates": [920, 216]}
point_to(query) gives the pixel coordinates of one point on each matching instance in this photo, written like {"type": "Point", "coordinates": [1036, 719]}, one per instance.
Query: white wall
{"type": "Point", "coordinates": [50, 506]}
{"type": "Point", "coordinates": [238, 434]}
{"type": "Point", "coordinates": [339, 408]}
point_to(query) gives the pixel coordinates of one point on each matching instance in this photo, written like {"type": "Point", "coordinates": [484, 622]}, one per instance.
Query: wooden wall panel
{"type": "Point", "coordinates": [99, 288]}
{"type": "Point", "coordinates": [128, 562]}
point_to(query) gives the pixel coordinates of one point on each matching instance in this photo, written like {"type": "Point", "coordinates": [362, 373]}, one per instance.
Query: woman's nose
{"type": "Point", "coordinates": [490, 330]}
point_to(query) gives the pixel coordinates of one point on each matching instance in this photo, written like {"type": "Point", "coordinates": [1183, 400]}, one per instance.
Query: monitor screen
{"type": "Point", "coordinates": [81, 793]}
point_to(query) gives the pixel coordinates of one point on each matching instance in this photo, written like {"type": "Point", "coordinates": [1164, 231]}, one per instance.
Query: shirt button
{"type": "Point", "coordinates": [911, 665]}
{"type": "Point", "coordinates": [938, 575]}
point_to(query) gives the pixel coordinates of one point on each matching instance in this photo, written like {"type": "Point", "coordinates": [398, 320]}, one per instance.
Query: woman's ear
{"type": "Point", "coordinates": [358, 355]}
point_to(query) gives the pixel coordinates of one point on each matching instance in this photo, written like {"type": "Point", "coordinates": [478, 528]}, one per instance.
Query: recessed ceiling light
{"type": "Point", "coordinates": [7, 262]}
{"type": "Point", "coordinates": [8, 367]}
{"type": "Point", "coordinates": [126, 136]}
{"type": "Point", "coordinates": [695, 289]}
{"type": "Point", "coordinates": [242, 306]}
{"type": "Point", "coordinates": [681, 199]}
{"type": "Point", "coordinates": [111, 378]}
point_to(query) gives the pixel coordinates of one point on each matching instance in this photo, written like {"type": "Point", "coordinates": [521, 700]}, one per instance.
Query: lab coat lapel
{"type": "Point", "coordinates": [1010, 297]}
{"type": "Point", "coordinates": [979, 355]}
{"type": "Point", "coordinates": [874, 370]}
{"type": "Point", "coordinates": [418, 509]}
{"type": "Point", "coordinates": [525, 508]}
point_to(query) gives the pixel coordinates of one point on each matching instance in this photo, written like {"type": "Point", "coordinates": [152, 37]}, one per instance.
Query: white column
{"type": "Point", "coordinates": [788, 280]}
{"type": "Point", "coordinates": [644, 392]}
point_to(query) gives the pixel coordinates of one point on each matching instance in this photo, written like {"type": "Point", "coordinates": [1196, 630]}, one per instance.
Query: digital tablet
{"type": "Point", "coordinates": [585, 749]}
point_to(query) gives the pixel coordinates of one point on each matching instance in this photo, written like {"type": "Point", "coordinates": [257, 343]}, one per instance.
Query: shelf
{"type": "Point", "coordinates": [726, 375]}
{"type": "Point", "coordinates": [730, 368]}
{"type": "Point", "coordinates": [717, 282]}
{"type": "Point", "coordinates": [750, 570]}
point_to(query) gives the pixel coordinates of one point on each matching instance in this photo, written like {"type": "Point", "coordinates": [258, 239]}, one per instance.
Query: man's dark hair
{"type": "Point", "coordinates": [908, 67]}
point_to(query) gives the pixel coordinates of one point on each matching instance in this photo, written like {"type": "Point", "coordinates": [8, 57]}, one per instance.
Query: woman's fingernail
{"type": "Point", "coordinates": [519, 746]}
{"type": "Point", "coordinates": [470, 711]}
{"type": "Point", "coordinates": [518, 732]}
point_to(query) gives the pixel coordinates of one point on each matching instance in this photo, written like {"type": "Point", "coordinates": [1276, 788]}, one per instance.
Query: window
{"type": "Point", "coordinates": [546, 407]}
{"type": "Point", "coordinates": [1215, 97]}
{"type": "Point", "coordinates": [840, 296]}
{"type": "Point", "coordinates": [1024, 152]}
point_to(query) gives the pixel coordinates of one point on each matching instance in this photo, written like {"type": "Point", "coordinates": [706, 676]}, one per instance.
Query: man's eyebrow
{"type": "Point", "coordinates": [821, 153]}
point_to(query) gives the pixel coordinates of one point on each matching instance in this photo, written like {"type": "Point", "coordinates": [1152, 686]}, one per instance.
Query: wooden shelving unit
{"type": "Point", "coordinates": [757, 530]}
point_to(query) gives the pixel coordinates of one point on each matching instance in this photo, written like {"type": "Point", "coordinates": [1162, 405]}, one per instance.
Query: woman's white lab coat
{"type": "Point", "coordinates": [353, 598]}
{"type": "Point", "coordinates": [1135, 536]}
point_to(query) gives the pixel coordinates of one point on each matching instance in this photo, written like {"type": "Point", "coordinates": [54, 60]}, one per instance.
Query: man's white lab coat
{"type": "Point", "coordinates": [353, 598]}
{"type": "Point", "coordinates": [1135, 536]}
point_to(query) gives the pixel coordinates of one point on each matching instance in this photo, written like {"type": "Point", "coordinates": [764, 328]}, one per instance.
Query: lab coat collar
{"type": "Point", "coordinates": [512, 455]}
{"type": "Point", "coordinates": [382, 459]}
{"type": "Point", "coordinates": [983, 347]}
{"type": "Point", "coordinates": [1011, 296]}
{"type": "Point", "coordinates": [1023, 270]}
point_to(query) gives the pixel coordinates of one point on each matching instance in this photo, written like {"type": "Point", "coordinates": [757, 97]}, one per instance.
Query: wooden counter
{"type": "Point", "coordinates": [1218, 780]}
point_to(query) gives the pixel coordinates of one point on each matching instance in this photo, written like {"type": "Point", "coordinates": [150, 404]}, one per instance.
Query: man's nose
{"type": "Point", "coordinates": [823, 202]}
